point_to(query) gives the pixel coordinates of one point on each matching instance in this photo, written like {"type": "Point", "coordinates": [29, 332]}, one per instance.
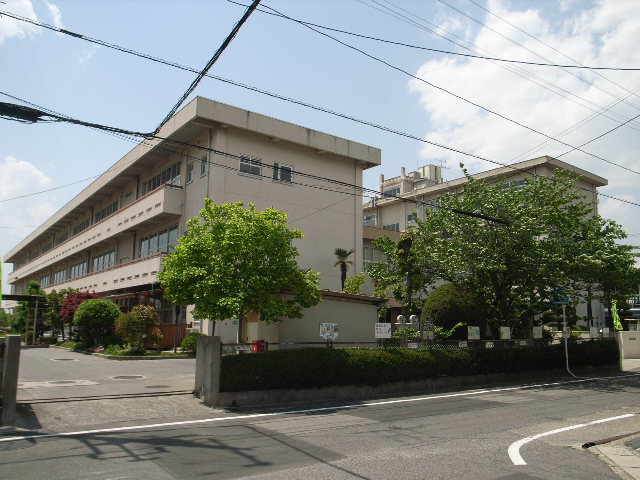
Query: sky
{"type": "Point", "coordinates": [499, 111]}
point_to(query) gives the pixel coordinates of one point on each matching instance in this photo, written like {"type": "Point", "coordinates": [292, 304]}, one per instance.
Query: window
{"type": "Point", "coordinates": [392, 192]}
{"type": "Point", "coordinates": [82, 226]}
{"type": "Point", "coordinates": [106, 211]}
{"type": "Point", "coordinates": [170, 175]}
{"type": "Point", "coordinates": [250, 165]}
{"type": "Point", "coordinates": [189, 173]}
{"type": "Point", "coordinates": [163, 241]}
{"type": "Point", "coordinates": [369, 220]}
{"type": "Point", "coordinates": [282, 173]}
{"type": "Point", "coordinates": [516, 184]}
{"type": "Point", "coordinates": [373, 255]}
{"type": "Point", "coordinates": [106, 260]}
{"type": "Point", "coordinates": [204, 164]}
{"type": "Point", "coordinates": [44, 281]}
{"type": "Point", "coordinates": [62, 237]}
{"type": "Point", "coordinates": [78, 270]}
{"type": "Point", "coordinates": [392, 226]}
{"type": "Point", "coordinates": [412, 217]}
{"type": "Point", "coordinates": [60, 276]}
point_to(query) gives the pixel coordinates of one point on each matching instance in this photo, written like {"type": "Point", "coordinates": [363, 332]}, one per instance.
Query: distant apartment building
{"type": "Point", "coordinates": [111, 238]}
{"type": "Point", "coordinates": [412, 195]}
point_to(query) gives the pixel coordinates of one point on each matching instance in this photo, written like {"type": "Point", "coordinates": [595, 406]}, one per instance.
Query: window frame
{"type": "Point", "coordinates": [278, 168]}
{"type": "Point", "coordinates": [251, 162]}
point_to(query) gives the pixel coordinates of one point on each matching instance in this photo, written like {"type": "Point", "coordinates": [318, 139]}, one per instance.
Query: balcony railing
{"type": "Point", "coordinates": [166, 199]}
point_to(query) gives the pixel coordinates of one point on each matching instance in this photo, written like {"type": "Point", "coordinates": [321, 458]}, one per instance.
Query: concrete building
{"type": "Point", "coordinates": [111, 238]}
{"type": "Point", "coordinates": [391, 213]}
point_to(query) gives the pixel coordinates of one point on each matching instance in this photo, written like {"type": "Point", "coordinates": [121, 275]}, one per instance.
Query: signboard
{"type": "Point", "coordinates": [329, 331]}
{"type": "Point", "coordinates": [605, 332]}
{"type": "Point", "coordinates": [559, 298]}
{"type": "Point", "coordinates": [412, 345]}
{"type": "Point", "coordinates": [462, 344]}
{"type": "Point", "coordinates": [243, 348]}
{"type": "Point", "coordinates": [488, 345]}
{"type": "Point", "coordinates": [473, 333]}
{"type": "Point", "coordinates": [537, 332]}
{"type": "Point", "coordinates": [523, 343]}
{"type": "Point", "coordinates": [505, 333]}
{"type": "Point", "coordinates": [593, 332]}
{"type": "Point", "coordinates": [383, 330]}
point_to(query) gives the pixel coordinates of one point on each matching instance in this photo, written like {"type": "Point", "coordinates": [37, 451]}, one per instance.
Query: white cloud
{"type": "Point", "coordinates": [10, 27]}
{"type": "Point", "coordinates": [21, 178]}
{"type": "Point", "coordinates": [55, 13]}
{"type": "Point", "coordinates": [601, 35]}
{"type": "Point", "coordinates": [87, 54]}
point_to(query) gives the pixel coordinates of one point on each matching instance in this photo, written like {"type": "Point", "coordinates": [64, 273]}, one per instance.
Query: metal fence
{"type": "Point", "coordinates": [260, 346]}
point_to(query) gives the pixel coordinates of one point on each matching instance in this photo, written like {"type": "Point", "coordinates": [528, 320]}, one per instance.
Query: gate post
{"type": "Point", "coordinates": [9, 379]}
{"type": "Point", "coordinates": [208, 367]}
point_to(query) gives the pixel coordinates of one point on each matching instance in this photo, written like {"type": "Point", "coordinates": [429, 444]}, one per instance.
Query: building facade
{"type": "Point", "coordinates": [412, 195]}
{"type": "Point", "coordinates": [111, 238]}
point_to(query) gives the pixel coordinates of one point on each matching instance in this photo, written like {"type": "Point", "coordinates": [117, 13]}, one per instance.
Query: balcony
{"type": "Point", "coordinates": [130, 274]}
{"type": "Point", "coordinates": [163, 201]}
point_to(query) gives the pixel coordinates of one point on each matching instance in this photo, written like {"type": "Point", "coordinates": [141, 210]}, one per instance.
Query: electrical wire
{"type": "Point", "coordinates": [527, 76]}
{"type": "Point", "coordinates": [212, 60]}
{"type": "Point", "coordinates": [460, 97]}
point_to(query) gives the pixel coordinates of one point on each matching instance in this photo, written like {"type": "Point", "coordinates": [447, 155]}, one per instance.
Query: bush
{"type": "Point", "coordinates": [322, 367]}
{"type": "Point", "coordinates": [94, 319]}
{"type": "Point", "coordinates": [134, 325]}
{"type": "Point", "coordinates": [451, 304]}
{"type": "Point", "coordinates": [354, 283]}
{"type": "Point", "coordinates": [190, 342]}
{"type": "Point", "coordinates": [47, 340]}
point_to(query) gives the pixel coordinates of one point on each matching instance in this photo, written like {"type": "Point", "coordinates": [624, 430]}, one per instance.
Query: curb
{"type": "Point", "coordinates": [622, 456]}
{"type": "Point", "coordinates": [122, 357]}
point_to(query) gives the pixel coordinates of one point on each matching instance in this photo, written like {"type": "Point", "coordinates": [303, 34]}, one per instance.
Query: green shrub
{"type": "Point", "coordinates": [94, 319]}
{"type": "Point", "coordinates": [322, 367]}
{"type": "Point", "coordinates": [190, 342]}
{"type": "Point", "coordinates": [354, 283]}
{"type": "Point", "coordinates": [134, 325]}
{"type": "Point", "coordinates": [451, 304]}
{"type": "Point", "coordinates": [47, 340]}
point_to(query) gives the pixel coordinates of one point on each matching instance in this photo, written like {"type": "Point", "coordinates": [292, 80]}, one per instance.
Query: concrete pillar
{"type": "Point", "coordinates": [9, 385]}
{"type": "Point", "coordinates": [208, 368]}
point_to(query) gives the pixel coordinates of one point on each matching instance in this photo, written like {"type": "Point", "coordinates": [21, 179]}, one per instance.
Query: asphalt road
{"type": "Point", "coordinates": [461, 435]}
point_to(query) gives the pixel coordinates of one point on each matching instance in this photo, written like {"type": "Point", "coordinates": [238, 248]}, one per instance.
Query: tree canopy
{"type": "Point", "coordinates": [547, 238]}
{"type": "Point", "coordinates": [235, 260]}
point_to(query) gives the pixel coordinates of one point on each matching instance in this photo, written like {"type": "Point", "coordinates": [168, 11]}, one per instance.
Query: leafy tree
{"type": "Point", "coordinates": [134, 325]}
{"type": "Point", "coordinates": [5, 318]}
{"type": "Point", "coordinates": [95, 319]}
{"type": "Point", "coordinates": [55, 300]}
{"type": "Point", "coordinates": [26, 314]}
{"type": "Point", "coordinates": [235, 260]}
{"type": "Point", "coordinates": [451, 303]}
{"type": "Point", "coordinates": [72, 301]}
{"type": "Point", "coordinates": [342, 256]}
{"type": "Point", "coordinates": [354, 283]}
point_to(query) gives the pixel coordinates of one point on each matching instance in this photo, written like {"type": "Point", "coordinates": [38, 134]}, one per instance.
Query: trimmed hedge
{"type": "Point", "coordinates": [323, 367]}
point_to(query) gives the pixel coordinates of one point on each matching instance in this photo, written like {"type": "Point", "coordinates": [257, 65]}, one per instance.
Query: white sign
{"type": "Point", "coordinates": [383, 330]}
{"type": "Point", "coordinates": [505, 333]}
{"type": "Point", "coordinates": [523, 343]}
{"type": "Point", "coordinates": [593, 332]}
{"type": "Point", "coordinates": [488, 345]}
{"type": "Point", "coordinates": [473, 333]}
{"type": "Point", "coordinates": [462, 344]}
{"type": "Point", "coordinates": [537, 332]}
{"type": "Point", "coordinates": [243, 348]}
{"type": "Point", "coordinates": [329, 331]}
{"type": "Point", "coordinates": [605, 332]}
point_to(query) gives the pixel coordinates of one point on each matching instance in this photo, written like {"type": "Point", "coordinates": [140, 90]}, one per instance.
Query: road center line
{"type": "Point", "coordinates": [514, 448]}
{"type": "Point", "coordinates": [305, 411]}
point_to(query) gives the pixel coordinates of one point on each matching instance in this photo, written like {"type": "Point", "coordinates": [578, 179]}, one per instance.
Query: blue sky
{"type": "Point", "coordinates": [101, 85]}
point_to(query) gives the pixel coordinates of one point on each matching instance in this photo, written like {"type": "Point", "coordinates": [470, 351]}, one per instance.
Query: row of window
{"type": "Point", "coordinates": [170, 175]}
{"type": "Point", "coordinates": [162, 241]}
{"type": "Point", "coordinates": [204, 166]}
{"type": "Point", "coordinates": [82, 226]}
{"type": "Point", "coordinates": [253, 166]}
{"type": "Point", "coordinates": [106, 211]}
{"type": "Point", "coordinates": [392, 192]}
{"type": "Point", "coordinates": [392, 226]}
{"type": "Point", "coordinates": [103, 261]}
{"type": "Point", "coordinates": [78, 270]}
{"type": "Point", "coordinates": [513, 184]}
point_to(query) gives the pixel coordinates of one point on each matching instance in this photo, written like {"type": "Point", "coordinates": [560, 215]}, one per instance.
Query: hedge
{"type": "Point", "coordinates": [323, 367]}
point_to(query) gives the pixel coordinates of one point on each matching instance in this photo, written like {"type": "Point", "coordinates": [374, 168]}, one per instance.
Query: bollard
{"type": "Point", "coordinates": [9, 385]}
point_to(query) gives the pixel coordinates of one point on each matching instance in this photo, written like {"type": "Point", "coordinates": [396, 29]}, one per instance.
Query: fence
{"type": "Point", "coordinates": [169, 334]}
{"type": "Point", "coordinates": [261, 346]}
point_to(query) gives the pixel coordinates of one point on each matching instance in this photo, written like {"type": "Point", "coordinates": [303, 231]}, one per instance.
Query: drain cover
{"type": "Point", "coordinates": [61, 382]}
{"type": "Point", "coordinates": [64, 359]}
{"type": "Point", "coordinates": [127, 377]}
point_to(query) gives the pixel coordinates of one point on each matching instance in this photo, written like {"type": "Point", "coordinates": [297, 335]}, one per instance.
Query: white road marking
{"type": "Point", "coordinates": [308, 410]}
{"type": "Point", "coordinates": [514, 448]}
{"type": "Point", "coordinates": [56, 383]}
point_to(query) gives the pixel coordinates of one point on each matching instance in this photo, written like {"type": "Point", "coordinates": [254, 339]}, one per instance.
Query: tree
{"type": "Point", "coordinates": [26, 313]}
{"type": "Point", "coordinates": [71, 303]}
{"type": "Point", "coordinates": [134, 325]}
{"type": "Point", "coordinates": [235, 260]}
{"type": "Point", "coordinates": [353, 284]}
{"type": "Point", "coordinates": [342, 256]}
{"type": "Point", "coordinates": [451, 304]}
{"type": "Point", "coordinates": [95, 319]}
{"type": "Point", "coordinates": [55, 300]}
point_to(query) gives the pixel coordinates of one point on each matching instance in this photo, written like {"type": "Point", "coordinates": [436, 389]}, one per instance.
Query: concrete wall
{"type": "Point", "coordinates": [629, 344]}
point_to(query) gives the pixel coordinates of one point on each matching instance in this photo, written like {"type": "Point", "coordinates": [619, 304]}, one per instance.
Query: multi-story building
{"type": "Point", "coordinates": [111, 238]}
{"type": "Point", "coordinates": [412, 195]}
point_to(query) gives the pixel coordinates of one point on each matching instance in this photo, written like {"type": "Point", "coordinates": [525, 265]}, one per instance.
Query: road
{"type": "Point", "coordinates": [461, 435]}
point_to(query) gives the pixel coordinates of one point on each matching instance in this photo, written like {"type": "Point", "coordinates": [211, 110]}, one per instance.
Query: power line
{"type": "Point", "coordinates": [210, 63]}
{"type": "Point", "coordinates": [274, 95]}
{"type": "Point", "coordinates": [447, 52]}
{"type": "Point", "coordinates": [527, 76]}
{"type": "Point", "coordinates": [486, 109]}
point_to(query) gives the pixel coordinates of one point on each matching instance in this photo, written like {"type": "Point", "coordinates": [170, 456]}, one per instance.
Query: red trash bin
{"type": "Point", "coordinates": [257, 346]}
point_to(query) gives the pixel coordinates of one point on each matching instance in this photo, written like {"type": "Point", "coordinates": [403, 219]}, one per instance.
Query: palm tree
{"type": "Point", "coordinates": [343, 260]}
